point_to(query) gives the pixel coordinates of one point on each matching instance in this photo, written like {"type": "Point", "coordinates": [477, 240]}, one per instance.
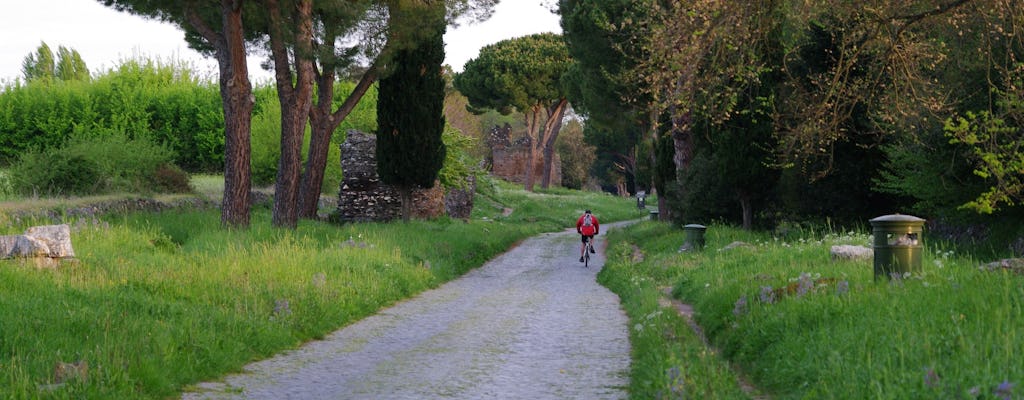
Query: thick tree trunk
{"type": "Point", "coordinates": [551, 129]}
{"type": "Point", "coordinates": [295, 104]}
{"type": "Point", "coordinates": [237, 101]}
{"type": "Point", "coordinates": [323, 124]}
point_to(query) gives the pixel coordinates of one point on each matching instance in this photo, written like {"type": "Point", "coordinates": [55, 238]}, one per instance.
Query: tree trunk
{"type": "Point", "coordinates": [323, 124]}
{"type": "Point", "coordinates": [746, 204]}
{"type": "Point", "coordinates": [295, 104]}
{"type": "Point", "coordinates": [237, 101]}
{"type": "Point", "coordinates": [406, 193]}
{"type": "Point", "coordinates": [551, 129]}
{"type": "Point", "coordinates": [531, 157]}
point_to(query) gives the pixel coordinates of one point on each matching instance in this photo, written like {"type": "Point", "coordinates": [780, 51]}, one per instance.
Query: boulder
{"type": "Point", "coordinates": [458, 203]}
{"type": "Point", "coordinates": [849, 252]}
{"type": "Point", "coordinates": [738, 244]}
{"type": "Point", "coordinates": [1014, 265]}
{"type": "Point", "coordinates": [49, 241]}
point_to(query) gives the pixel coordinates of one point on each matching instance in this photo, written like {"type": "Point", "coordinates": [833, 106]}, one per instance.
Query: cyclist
{"type": "Point", "coordinates": [587, 226]}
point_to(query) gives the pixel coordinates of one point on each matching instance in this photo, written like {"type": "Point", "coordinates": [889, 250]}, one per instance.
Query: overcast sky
{"type": "Point", "coordinates": [104, 37]}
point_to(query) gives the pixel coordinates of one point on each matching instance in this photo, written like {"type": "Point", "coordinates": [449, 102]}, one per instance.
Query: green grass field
{"type": "Point", "coordinates": [158, 301]}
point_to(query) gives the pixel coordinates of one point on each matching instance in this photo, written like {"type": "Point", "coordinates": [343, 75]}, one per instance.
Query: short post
{"type": "Point", "coordinates": [897, 245]}
{"type": "Point", "coordinates": [694, 236]}
{"type": "Point", "coordinates": [641, 200]}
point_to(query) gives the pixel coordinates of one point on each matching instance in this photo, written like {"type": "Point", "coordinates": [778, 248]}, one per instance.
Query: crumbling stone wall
{"type": "Point", "coordinates": [509, 158]}
{"type": "Point", "coordinates": [363, 197]}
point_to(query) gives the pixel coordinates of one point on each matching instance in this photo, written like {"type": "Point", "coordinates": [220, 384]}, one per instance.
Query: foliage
{"type": "Point", "coordinates": [138, 98]}
{"type": "Point", "coordinates": [410, 114]}
{"type": "Point", "coordinates": [995, 144]}
{"type": "Point", "coordinates": [43, 66]}
{"type": "Point", "coordinates": [459, 163]}
{"type": "Point", "coordinates": [91, 165]}
{"type": "Point", "coordinates": [577, 156]}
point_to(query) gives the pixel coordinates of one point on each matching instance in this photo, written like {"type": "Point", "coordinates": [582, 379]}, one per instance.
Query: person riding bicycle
{"type": "Point", "coordinates": [587, 226]}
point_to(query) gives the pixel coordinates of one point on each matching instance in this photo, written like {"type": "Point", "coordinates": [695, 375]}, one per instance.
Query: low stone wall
{"type": "Point", "coordinates": [363, 197]}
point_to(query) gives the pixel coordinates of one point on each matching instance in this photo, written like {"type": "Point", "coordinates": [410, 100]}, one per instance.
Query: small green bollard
{"type": "Point", "coordinates": [694, 236]}
{"type": "Point", "coordinates": [897, 245]}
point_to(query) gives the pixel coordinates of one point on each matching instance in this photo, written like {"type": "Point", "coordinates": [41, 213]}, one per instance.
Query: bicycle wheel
{"type": "Point", "coordinates": [586, 256]}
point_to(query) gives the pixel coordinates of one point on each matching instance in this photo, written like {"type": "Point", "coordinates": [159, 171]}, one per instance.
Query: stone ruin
{"type": "Point", "coordinates": [363, 197]}
{"type": "Point", "coordinates": [46, 245]}
{"type": "Point", "coordinates": [508, 158]}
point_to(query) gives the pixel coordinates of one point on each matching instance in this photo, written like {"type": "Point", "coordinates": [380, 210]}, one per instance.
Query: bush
{"type": "Point", "coordinates": [48, 173]}
{"type": "Point", "coordinates": [171, 178]}
{"type": "Point", "coordinates": [98, 164]}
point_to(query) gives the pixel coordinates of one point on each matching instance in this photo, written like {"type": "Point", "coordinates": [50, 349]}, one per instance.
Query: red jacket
{"type": "Point", "coordinates": [588, 230]}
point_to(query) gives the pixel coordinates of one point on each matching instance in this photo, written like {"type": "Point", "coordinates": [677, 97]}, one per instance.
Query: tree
{"type": "Point", "coordinates": [605, 48]}
{"type": "Point", "coordinates": [410, 109]}
{"type": "Point", "coordinates": [577, 157]}
{"type": "Point", "coordinates": [217, 29]}
{"type": "Point", "coordinates": [70, 66]}
{"type": "Point", "coordinates": [379, 38]}
{"type": "Point", "coordinates": [291, 43]}
{"type": "Point", "coordinates": [39, 65]}
{"type": "Point", "coordinates": [523, 74]}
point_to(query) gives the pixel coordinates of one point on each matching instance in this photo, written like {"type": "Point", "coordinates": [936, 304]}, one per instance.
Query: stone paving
{"type": "Point", "coordinates": [531, 324]}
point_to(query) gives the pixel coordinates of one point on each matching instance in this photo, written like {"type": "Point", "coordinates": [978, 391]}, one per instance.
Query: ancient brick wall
{"type": "Point", "coordinates": [509, 158]}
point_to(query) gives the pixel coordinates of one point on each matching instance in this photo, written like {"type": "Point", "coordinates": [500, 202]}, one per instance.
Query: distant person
{"type": "Point", "coordinates": [587, 226]}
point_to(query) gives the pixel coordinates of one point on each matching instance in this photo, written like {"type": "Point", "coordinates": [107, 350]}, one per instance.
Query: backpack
{"type": "Point", "coordinates": [588, 220]}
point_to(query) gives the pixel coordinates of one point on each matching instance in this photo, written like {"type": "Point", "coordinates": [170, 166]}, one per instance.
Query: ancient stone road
{"type": "Point", "coordinates": [530, 324]}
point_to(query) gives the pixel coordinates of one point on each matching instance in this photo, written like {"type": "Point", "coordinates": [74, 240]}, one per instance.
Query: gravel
{"type": "Point", "coordinates": [531, 324]}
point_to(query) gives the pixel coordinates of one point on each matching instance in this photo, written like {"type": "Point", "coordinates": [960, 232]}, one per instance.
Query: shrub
{"type": "Point", "coordinates": [49, 173]}
{"type": "Point", "coordinates": [91, 164]}
{"type": "Point", "coordinates": [171, 178]}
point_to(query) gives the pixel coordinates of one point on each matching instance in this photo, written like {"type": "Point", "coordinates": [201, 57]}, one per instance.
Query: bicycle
{"type": "Point", "coordinates": [586, 252]}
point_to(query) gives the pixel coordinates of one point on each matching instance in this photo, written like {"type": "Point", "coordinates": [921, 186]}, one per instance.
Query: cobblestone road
{"type": "Point", "coordinates": [531, 324]}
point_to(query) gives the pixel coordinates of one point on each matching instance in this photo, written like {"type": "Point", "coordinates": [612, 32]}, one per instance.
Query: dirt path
{"type": "Point", "coordinates": [531, 324]}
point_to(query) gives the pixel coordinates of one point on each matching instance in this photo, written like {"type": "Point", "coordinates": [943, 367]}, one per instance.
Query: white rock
{"type": "Point", "coordinates": [848, 252]}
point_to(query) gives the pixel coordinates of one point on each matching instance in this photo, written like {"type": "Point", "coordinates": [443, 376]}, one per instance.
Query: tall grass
{"type": "Point", "coordinates": [158, 301]}
{"type": "Point", "coordinates": [803, 326]}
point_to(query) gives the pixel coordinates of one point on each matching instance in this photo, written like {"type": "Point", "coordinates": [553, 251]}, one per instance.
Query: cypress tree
{"type": "Point", "coordinates": [410, 114]}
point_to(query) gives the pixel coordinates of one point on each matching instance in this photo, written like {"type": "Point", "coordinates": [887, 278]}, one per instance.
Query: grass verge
{"type": "Point", "coordinates": [669, 359]}
{"type": "Point", "coordinates": [157, 301]}
{"type": "Point", "coordinates": [804, 326]}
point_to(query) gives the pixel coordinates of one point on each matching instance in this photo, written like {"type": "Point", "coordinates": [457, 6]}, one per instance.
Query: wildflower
{"type": "Point", "coordinates": [1004, 390]}
{"type": "Point", "coordinates": [767, 295]}
{"type": "Point", "coordinates": [281, 307]}
{"type": "Point", "coordinates": [318, 279]}
{"type": "Point", "coordinates": [931, 378]}
{"type": "Point", "coordinates": [806, 284]}
{"type": "Point", "coordinates": [842, 288]}
{"type": "Point", "coordinates": [974, 391]}
{"type": "Point", "coordinates": [638, 327]}
{"type": "Point", "coordinates": [741, 306]}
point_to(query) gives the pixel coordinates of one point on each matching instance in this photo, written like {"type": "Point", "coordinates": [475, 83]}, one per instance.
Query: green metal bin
{"type": "Point", "coordinates": [694, 236]}
{"type": "Point", "coordinates": [897, 245]}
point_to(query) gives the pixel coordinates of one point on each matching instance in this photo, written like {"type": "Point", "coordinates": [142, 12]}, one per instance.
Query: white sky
{"type": "Point", "coordinates": [104, 37]}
